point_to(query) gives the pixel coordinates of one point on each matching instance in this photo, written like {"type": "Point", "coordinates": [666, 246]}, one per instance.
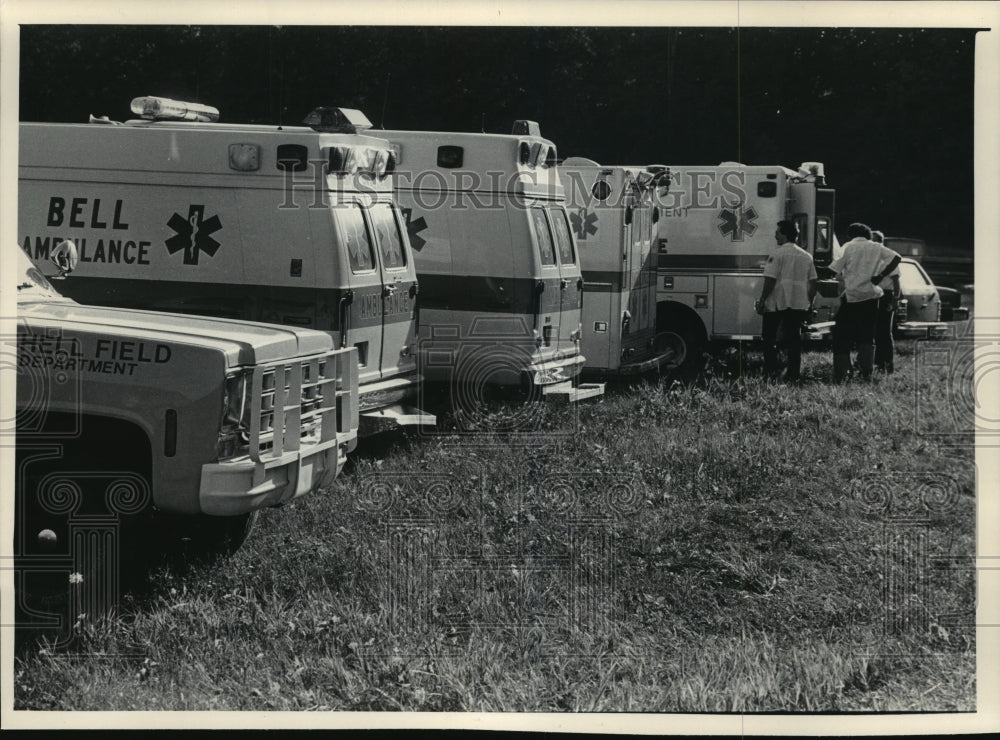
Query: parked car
{"type": "Point", "coordinates": [920, 311]}
{"type": "Point", "coordinates": [951, 304]}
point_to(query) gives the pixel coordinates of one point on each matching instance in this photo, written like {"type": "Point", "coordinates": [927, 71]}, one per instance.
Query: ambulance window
{"type": "Point", "coordinates": [543, 238]}
{"type": "Point", "coordinates": [366, 160]}
{"type": "Point", "coordinates": [390, 163]}
{"type": "Point", "coordinates": [359, 247]}
{"type": "Point", "coordinates": [292, 157]}
{"type": "Point", "coordinates": [561, 230]}
{"type": "Point", "coordinates": [338, 159]}
{"type": "Point", "coordinates": [450, 157]}
{"type": "Point", "coordinates": [390, 241]}
{"type": "Point", "coordinates": [822, 236]}
{"type": "Point", "coordinates": [802, 220]}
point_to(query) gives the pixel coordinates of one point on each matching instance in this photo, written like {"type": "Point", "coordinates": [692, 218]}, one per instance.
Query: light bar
{"type": "Point", "coordinates": [812, 168]}
{"type": "Point", "coordinates": [523, 127]}
{"type": "Point", "coordinates": [337, 120]}
{"type": "Point", "coordinates": [165, 109]}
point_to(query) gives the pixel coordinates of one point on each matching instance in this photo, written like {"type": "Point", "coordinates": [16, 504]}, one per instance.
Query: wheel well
{"type": "Point", "coordinates": [96, 442]}
{"type": "Point", "coordinates": [74, 467]}
{"type": "Point", "coordinates": [678, 317]}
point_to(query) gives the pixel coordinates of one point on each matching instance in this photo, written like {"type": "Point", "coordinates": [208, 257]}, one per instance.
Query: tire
{"type": "Point", "coordinates": [686, 339]}
{"type": "Point", "coordinates": [204, 537]}
{"type": "Point", "coordinates": [82, 511]}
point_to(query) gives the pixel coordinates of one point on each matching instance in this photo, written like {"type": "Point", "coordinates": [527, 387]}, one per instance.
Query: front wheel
{"type": "Point", "coordinates": [205, 537]}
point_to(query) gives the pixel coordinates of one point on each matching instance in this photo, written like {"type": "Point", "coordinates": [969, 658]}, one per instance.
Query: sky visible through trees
{"type": "Point", "coordinates": [890, 112]}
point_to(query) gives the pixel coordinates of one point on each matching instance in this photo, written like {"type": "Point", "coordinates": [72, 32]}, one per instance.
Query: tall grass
{"type": "Point", "coordinates": [731, 545]}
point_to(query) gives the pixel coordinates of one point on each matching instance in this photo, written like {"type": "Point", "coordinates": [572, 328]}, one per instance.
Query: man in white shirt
{"type": "Point", "coordinates": [863, 265]}
{"type": "Point", "coordinates": [885, 351]}
{"type": "Point", "coordinates": [789, 288]}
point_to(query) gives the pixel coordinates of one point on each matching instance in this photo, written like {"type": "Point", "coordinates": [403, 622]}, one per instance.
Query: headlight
{"type": "Point", "coordinates": [235, 413]}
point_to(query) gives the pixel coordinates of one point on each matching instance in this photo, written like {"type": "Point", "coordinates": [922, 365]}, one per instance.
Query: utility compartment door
{"type": "Point", "coordinates": [360, 316]}
{"type": "Point", "coordinates": [733, 311]}
{"type": "Point", "coordinates": [598, 307]}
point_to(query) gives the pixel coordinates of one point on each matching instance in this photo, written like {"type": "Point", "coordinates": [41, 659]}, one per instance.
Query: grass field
{"type": "Point", "coordinates": [732, 545]}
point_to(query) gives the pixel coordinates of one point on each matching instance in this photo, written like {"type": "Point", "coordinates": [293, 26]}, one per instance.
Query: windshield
{"type": "Point", "coordinates": [31, 282]}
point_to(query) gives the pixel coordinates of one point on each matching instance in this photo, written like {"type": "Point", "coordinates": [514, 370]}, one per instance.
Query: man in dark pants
{"type": "Point", "coordinates": [885, 317]}
{"type": "Point", "coordinates": [862, 266]}
{"type": "Point", "coordinates": [789, 288]}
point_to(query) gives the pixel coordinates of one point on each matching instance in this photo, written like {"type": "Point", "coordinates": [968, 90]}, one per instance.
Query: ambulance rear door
{"type": "Point", "coordinates": [638, 280]}
{"type": "Point", "coordinates": [398, 289]}
{"type": "Point", "coordinates": [812, 209]}
{"type": "Point", "coordinates": [547, 301]}
{"type": "Point", "coordinates": [360, 309]}
{"type": "Point", "coordinates": [570, 277]}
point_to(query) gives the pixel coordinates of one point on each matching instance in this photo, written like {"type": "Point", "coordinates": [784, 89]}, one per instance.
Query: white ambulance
{"type": "Point", "coordinates": [613, 219]}
{"type": "Point", "coordinates": [292, 225]}
{"type": "Point", "coordinates": [500, 281]}
{"type": "Point", "coordinates": [714, 235]}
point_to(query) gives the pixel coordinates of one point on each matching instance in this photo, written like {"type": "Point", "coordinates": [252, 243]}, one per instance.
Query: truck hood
{"type": "Point", "coordinates": [242, 342]}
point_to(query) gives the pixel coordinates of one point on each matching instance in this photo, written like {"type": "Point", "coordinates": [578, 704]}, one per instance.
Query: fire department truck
{"type": "Point", "coordinates": [293, 225]}
{"type": "Point", "coordinates": [613, 218]}
{"type": "Point", "coordinates": [714, 234]}
{"type": "Point", "coordinates": [500, 282]}
{"type": "Point", "coordinates": [132, 424]}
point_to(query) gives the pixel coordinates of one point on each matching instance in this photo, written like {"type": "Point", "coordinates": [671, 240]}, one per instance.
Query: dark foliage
{"type": "Point", "coordinates": [889, 111]}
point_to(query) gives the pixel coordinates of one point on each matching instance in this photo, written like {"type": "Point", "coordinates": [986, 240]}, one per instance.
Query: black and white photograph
{"type": "Point", "coordinates": [573, 366]}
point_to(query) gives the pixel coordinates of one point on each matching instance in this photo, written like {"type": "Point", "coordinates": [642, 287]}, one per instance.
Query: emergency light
{"type": "Point", "coordinates": [526, 128]}
{"type": "Point", "coordinates": [165, 109]}
{"type": "Point", "coordinates": [661, 175]}
{"type": "Point", "coordinates": [332, 120]}
{"type": "Point", "coordinates": [813, 169]}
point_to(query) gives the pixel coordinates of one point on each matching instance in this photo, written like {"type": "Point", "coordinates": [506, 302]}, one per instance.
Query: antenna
{"type": "Point", "coordinates": [482, 123]}
{"type": "Point", "coordinates": [385, 99]}
{"type": "Point", "coordinates": [274, 49]}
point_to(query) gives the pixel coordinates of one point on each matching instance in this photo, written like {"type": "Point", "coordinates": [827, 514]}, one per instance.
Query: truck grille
{"type": "Point", "coordinates": [302, 402]}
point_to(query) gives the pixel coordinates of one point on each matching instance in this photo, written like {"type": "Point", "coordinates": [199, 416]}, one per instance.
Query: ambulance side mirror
{"type": "Point", "coordinates": [656, 214]}
{"type": "Point", "coordinates": [628, 215]}
{"type": "Point", "coordinates": [65, 257]}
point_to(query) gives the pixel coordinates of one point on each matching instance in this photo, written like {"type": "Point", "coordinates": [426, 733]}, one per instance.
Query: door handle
{"type": "Point", "coordinates": [345, 301]}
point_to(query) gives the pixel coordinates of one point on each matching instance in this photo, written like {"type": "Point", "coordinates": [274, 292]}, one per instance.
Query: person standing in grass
{"type": "Point", "coordinates": [789, 288]}
{"type": "Point", "coordinates": [884, 349]}
{"type": "Point", "coordinates": [860, 269]}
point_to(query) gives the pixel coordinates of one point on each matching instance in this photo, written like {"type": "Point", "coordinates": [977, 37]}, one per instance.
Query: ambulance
{"type": "Point", "coordinates": [613, 218]}
{"type": "Point", "coordinates": [500, 281]}
{"type": "Point", "coordinates": [714, 234]}
{"type": "Point", "coordinates": [292, 225]}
